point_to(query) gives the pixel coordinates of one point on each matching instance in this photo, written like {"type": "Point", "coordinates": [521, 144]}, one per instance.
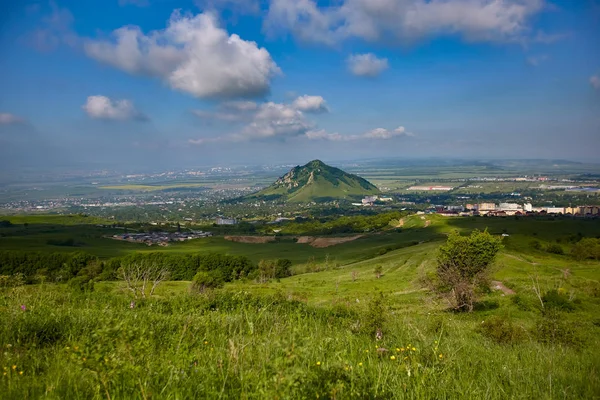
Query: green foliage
{"type": "Point", "coordinates": [81, 284]}
{"type": "Point", "coordinates": [555, 248]}
{"type": "Point", "coordinates": [462, 263]}
{"type": "Point", "coordinates": [557, 299]}
{"type": "Point", "coordinates": [552, 328]}
{"type": "Point", "coordinates": [376, 315]}
{"type": "Point", "coordinates": [585, 249]}
{"type": "Point", "coordinates": [502, 330]}
{"type": "Point", "coordinates": [204, 281]}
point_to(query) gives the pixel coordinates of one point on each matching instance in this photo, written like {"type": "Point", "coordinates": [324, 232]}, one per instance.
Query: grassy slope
{"type": "Point", "coordinates": [234, 345]}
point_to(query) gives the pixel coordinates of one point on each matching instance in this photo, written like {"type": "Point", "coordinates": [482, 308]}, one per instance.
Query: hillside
{"type": "Point", "coordinates": [316, 181]}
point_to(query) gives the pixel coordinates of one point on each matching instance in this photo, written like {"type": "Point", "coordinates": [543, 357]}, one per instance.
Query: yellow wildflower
{"type": "Point", "coordinates": [20, 372]}
{"type": "Point", "coordinates": [413, 349]}
{"type": "Point", "coordinates": [360, 364]}
{"type": "Point", "coordinates": [441, 356]}
{"type": "Point", "coordinates": [402, 349]}
{"type": "Point", "coordinates": [206, 342]}
{"type": "Point", "coordinates": [397, 350]}
{"type": "Point", "coordinates": [4, 373]}
{"type": "Point", "coordinates": [318, 363]}
{"type": "Point", "coordinates": [392, 358]}
{"type": "Point", "coordinates": [14, 367]}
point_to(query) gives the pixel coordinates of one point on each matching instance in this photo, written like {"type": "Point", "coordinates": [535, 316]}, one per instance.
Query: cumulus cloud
{"type": "Point", "coordinates": [193, 55]}
{"type": "Point", "coordinates": [276, 120]}
{"type": "Point", "coordinates": [402, 20]}
{"type": "Point", "coordinates": [374, 134]}
{"type": "Point", "coordinates": [595, 82]}
{"type": "Point", "coordinates": [242, 106]}
{"type": "Point", "coordinates": [102, 107]}
{"type": "Point", "coordinates": [310, 104]}
{"type": "Point", "coordinates": [10, 119]}
{"type": "Point", "coordinates": [367, 64]}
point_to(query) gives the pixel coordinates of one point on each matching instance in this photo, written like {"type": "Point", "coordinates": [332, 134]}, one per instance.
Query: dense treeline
{"type": "Point", "coordinates": [61, 267]}
{"type": "Point", "coordinates": [349, 224]}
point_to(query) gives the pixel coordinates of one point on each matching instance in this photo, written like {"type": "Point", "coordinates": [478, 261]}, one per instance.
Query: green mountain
{"type": "Point", "coordinates": [316, 181]}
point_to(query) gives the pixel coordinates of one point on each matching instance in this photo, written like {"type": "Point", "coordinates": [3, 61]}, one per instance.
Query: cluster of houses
{"type": "Point", "coordinates": [510, 209]}
{"type": "Point", "coordinates": [370, 200]}
{"type": "Point", "coordinates": [161, 238]}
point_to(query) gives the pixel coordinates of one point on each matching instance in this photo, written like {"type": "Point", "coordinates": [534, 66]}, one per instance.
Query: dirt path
{"type": "Point", "coordinates": [322, 242]}
{"type": "Point", "coordinates": [497, 285]}
{"type": "Point", "coordinates": [520, 259]}
{"type": "Point", "coordinates": [250, 239]}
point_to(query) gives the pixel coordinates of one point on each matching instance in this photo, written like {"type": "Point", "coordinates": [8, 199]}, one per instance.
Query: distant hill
{"type": "Point", "coordinates": [316, 181]}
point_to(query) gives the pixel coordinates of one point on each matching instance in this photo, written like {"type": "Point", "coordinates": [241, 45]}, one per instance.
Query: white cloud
{"type": "Point", "coordinates": [374, 134]}
{"type": "Point", "coordinates": [10, 119]}
{"type": "Point", "coordinates": [402, 20]}
{"type": "Point", "coordinates": [595, 82]}
{"type": "Point", "coordinates": [367, 64]}
{"type": "Point", "coordinates": [243, 106]}
{"type": "Point", "coordinates": [101, 107]}
{"type": "Point", "coordinates": [276, 120]}
{"type": "Point", "coordinates": [537, 60]}
{"type": "Point", "coordinates": [310, 104]}
{"type": "Point", "coordinates": [193, 55]}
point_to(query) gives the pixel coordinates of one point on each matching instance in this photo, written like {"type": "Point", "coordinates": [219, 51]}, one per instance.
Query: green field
{"type": "Point", "coordinates": [307, 336]}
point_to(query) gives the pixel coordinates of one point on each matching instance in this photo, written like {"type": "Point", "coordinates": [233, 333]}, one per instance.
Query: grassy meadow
{"type": "Point", "coordinates": [311, 335]}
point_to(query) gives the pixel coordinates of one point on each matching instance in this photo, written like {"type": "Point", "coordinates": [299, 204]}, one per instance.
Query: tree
{"type": "Point", "coordinates": [586, 248]}
{"type": "Point", "coordinates": [463, 262]}
{"type": "Point", "coordinates": [138, 276]}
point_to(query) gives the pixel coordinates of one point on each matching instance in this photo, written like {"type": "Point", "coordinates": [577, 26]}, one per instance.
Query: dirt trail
{"type": "Point", "coordinates": [520, 259]}
{"type": "Point", "coordinates": [322, 242]}
{"type": "Point", "coordinates": [497, 285]}
{"type": "Point", "coordinates": [250, 239]}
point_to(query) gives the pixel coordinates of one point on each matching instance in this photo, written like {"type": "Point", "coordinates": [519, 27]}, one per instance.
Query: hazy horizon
{"type": "Point", "coordinates": [143, 84]}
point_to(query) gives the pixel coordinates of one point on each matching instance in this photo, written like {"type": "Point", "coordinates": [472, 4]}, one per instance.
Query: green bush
{"type": "Point", "coordinates": [502, 330]}
{"type": "Point", "coordinates": [555, 248]}
{"type": "Point", "coordinates": [557, 299]}
{"type": "Point", "coordinates": [553, 329]}
{"type": "Point", "coordinates": [204, 281]}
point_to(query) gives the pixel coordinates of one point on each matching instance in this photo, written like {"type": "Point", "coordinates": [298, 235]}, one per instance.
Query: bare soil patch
{"type": "Point", "coordinates": [497, 285]}
{"type": "Point", "coordinates": [250, 239]}
{"type": "Point", "coordinates": [332, 241]}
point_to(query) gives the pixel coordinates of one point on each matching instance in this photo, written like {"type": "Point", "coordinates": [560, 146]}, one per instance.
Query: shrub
{"type": "Point", "coordinates": [82, 284]}
{"type": "Point", "coordinates": [204, 281]}
{"type": "Point", "coordinates": [555, 248]}
{"type": "Point", "coordinates": [376, 315]}
{"type": "Point", "coordinates": [463, 262]}
{"type": "Point", "coordinates": [552, 329]}
{"type": "Point", "coordinates": [502, 330]}
{"type": "Point", "coordinates": [535, 244]}
{"type": "Point", "coordinates": [558, 300]}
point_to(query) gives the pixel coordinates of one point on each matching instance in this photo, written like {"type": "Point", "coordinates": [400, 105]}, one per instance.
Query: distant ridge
{"type": "Point", "coordinates": [316, 181]}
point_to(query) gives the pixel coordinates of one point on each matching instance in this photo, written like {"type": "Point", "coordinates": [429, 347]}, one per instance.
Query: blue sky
{"type": "Point", "coordinates": [161, 83]}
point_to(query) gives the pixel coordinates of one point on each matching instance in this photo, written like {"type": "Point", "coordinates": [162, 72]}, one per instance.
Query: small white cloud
{"type": "Point", "coordinates": [10, 119]}
{"type": "Point", "coordinates": [595, 82]}
{"type": "Point", "coordinates": [193, 55]}
{"type": "Point", "coordinates": [537, 60]}
{"type": "Point", "coordinates": [323, 135]}
{"type": "Point", "coordinates": [102, 107]}
{"type": "Point", "coordinates": [367, 64]}
{"type": "Point", "coordinates": [310, 104]}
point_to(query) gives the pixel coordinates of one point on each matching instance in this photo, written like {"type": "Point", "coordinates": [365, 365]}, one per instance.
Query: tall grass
{"type": "Point", "coordinates": [60, 344]}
